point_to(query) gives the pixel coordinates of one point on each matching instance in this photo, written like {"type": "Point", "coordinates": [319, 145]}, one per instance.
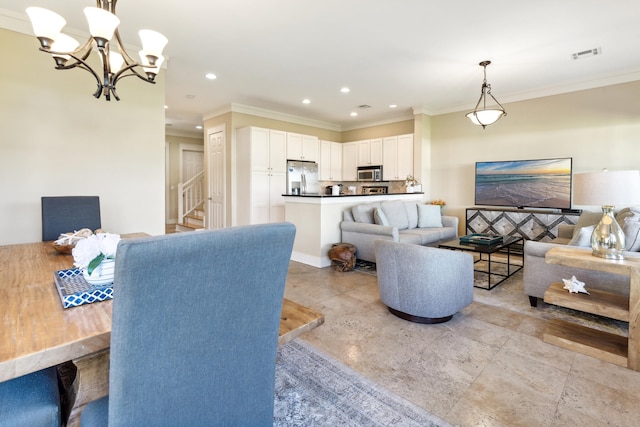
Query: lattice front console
{"type": "Point", "coordinates": [528, 224]}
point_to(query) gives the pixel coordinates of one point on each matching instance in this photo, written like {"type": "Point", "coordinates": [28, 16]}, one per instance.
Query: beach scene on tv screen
{"type": "Point", "coordinates": [542, 183]}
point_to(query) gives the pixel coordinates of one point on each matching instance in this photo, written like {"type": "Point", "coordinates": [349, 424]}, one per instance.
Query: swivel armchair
{"type": "Point", "coordinates": [423, 284]}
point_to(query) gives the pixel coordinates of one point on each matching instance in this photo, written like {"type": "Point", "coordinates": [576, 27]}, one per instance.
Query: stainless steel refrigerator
{"type": "Point", "coordinates": [302, 177]}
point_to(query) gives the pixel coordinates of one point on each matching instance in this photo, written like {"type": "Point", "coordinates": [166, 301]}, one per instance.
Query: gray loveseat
{"type": "Point", "coordinates": [539, 275]}
{"type": "Point", "coordinates": [398, 221]}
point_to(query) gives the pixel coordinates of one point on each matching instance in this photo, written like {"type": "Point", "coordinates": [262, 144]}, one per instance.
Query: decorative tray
{"type": "Point", "coordinates": [481, 239]}
{"type": "Point", "coordinates": [75, 291]}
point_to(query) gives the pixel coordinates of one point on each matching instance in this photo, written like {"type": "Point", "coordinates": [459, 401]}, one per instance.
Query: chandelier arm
{"type": "Point", "coordinates": [80, 63]}
{"type": "Point", "coordinates": [132, 72]}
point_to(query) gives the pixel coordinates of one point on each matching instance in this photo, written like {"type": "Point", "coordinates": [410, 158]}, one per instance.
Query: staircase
{"type": "Point", "coordinates": [191, 204]}
{"type": "Point", "coordinates": [193, 221]}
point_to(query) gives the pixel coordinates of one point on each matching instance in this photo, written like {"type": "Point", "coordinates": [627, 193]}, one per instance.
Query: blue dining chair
{"type": "Point", "coordinates": [31, 400]}
{"type": "Point", "coordinates": [69, 213]}
{"type": "Point", "coordinates": [196, 319]}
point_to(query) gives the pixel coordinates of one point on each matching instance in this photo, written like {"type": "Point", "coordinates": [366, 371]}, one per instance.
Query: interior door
{"type": "Point", "coordinates": [216, 175]}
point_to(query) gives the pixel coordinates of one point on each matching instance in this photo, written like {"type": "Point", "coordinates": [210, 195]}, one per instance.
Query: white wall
{"type": "Point", "coordinates": [598, 128]}
{"type": "Point", "coordinates": [57, 139]}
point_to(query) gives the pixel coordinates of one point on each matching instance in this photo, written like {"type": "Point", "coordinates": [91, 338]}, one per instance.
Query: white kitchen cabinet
{"type": "Point", "coordinates": [261, 175]}
{"type": "Point", "coordinates": [397, 157]}
{"type": "Point", "coordinates": [350, 161]}
{"type": "Point", "coordinates": [405, 156]}
{"type": "Point", "coordinates": [330, 166]}
{"type": "Point", "coordinates": [370, 152]}
{"type": "Point", "coordinates": [302, 147]}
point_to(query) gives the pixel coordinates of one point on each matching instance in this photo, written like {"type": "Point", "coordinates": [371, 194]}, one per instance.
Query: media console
{"type": "Point", "coordinates": [530, 224]}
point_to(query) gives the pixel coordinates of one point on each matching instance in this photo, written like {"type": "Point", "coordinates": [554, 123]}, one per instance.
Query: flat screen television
{"type": "Point", "coordinates": [542, 183]}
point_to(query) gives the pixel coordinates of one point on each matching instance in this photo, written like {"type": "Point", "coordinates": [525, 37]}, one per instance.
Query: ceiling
{"type": "Point", "coordinates": [417, 54]}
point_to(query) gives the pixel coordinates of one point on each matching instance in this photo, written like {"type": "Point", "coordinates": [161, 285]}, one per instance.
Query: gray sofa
{"type": "Point", "coordinates": [539, 275]}
{"type": "Point", "coordinates": [398, 221]}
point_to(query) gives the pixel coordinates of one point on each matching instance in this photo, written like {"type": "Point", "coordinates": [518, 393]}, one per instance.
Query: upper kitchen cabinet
{"type": "Point", "coordinates": [350, 161]}
{"type": "Point", "coordinates": [330, 161]}
{"type": "Point", "coordinates": [370, 152]}
{"type": "Point", "coordinates": [302, 147]}
{"type": "Point", "coordinates": [397, 157]}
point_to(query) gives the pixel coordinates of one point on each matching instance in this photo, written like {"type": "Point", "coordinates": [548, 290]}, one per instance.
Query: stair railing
{"type": "Point", "coordinates": [190, 196]}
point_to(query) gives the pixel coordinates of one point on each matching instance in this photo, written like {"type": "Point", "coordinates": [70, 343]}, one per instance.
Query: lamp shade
{"type": "Point", "coordinates": [615, 188]}
{"type": "Point", "coordinates": [152, 42]}
{"type": "Point", "coordinates": [45, 23]}
{"type": "Point", "coordinates": [102, 23]}
{"type": "Point", "coordinates": [64, 43]}
{"type": "Point", "coordinates": [485, 117]}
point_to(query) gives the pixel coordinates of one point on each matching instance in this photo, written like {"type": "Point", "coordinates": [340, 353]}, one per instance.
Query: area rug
{"type": "Point", "coordinates": [314, 389]}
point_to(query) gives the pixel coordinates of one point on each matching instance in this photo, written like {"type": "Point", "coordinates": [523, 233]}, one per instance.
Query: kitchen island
{"type": "Point", "coordinates": [317, 219]}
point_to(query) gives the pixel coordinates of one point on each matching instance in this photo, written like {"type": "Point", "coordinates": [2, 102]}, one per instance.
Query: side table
{"type": "Point", "coordinates": [623, 351]}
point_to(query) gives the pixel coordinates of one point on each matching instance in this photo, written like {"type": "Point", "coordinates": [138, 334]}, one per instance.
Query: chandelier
{"type": "Point", "coordinates": [105, 40]}
{"type": "Point", "coordinates": [486, 116]}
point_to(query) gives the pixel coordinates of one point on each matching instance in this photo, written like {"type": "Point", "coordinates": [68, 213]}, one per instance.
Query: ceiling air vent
{"type": "Point", "coordinates": [364, 106]}
{"type": "Point", "coordinates": [586, 53]}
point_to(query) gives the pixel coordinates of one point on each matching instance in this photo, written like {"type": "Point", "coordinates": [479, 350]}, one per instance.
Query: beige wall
{"type": "Point", "coordinates": [57, 139]}
{"type": "Point", "coordinates": [598, 128]}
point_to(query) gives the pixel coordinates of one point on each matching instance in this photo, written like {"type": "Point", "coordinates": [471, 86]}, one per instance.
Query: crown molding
{"type": "Point", "coordinates": [274, 115]}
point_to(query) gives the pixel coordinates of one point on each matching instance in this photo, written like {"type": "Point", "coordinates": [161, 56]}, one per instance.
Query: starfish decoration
{"type": "Point", "coordinates": [574, 285]}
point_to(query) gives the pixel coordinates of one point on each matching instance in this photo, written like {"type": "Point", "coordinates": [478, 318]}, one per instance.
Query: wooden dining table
{"type": "Point", "coordinates": [36, 332]}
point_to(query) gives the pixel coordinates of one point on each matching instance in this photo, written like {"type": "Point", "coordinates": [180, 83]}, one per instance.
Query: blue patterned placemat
{"type": "Point", "coordinates": [75, 291]}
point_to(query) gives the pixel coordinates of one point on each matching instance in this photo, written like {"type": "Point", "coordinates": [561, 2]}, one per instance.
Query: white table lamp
{"type": "Point", "coordinates": [607, 189]}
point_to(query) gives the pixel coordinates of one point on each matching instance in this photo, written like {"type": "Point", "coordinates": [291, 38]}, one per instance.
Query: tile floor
{"type": "Point", "coordinates": [486, 367]}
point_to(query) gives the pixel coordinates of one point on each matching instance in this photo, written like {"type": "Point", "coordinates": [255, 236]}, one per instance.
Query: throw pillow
{"type": "Point", "coordinates": [626, 213]}
{"type": "Point", "coordinates": [429, 216]}
{"type": "Point", "coordinates": [364, 213]}
{"type": "Point", "coordinates": [583, 238]}
{"type": "Point", "coordinates": [586, 219]}
{"type": "Point", "coordinates": [412, 214]}
{"type": "Point", "coordinates": [631, 230]}
{"type": "Point", "coordinates": [396, 214]}
{"type": "Point", "coordinates": [380, 218]}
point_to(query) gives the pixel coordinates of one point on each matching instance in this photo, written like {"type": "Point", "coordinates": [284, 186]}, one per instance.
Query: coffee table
{"type": "Point", "coordinates": [506, 245]}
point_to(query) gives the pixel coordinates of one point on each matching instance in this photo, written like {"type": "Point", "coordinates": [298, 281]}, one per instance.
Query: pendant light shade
{"type": "Point", "coordinates": [481, 115]}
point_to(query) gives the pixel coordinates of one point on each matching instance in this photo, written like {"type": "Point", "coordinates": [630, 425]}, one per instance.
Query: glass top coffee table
{"type": "Point", "coordinates": [496, 271]}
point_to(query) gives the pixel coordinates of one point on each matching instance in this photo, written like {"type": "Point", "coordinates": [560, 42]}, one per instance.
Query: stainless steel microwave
{"type": "Point", "coordinates": [370, 173]}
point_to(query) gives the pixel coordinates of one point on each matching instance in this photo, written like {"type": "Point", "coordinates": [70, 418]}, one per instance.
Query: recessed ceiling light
{"type": "Point", "coordinates": [199, 127]}
{"type": "Point", "coordinates": [306, 101]}
{"type": "Point", "coordinates": [211, 76]}
{"type": "Point", "coordinates": [354, 114]}
{"type": "Point", "coordinates": [393, 106]}
{"type": "Point", "coordinates": [345, 90]}
{"type": "Point", "coordinates": [190, 96]}
{"type": "Point", "coordinates": [166, 106]}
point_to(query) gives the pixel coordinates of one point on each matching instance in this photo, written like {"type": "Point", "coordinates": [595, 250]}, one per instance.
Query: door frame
{"type": "Point", "coordinates": [221, 128]}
